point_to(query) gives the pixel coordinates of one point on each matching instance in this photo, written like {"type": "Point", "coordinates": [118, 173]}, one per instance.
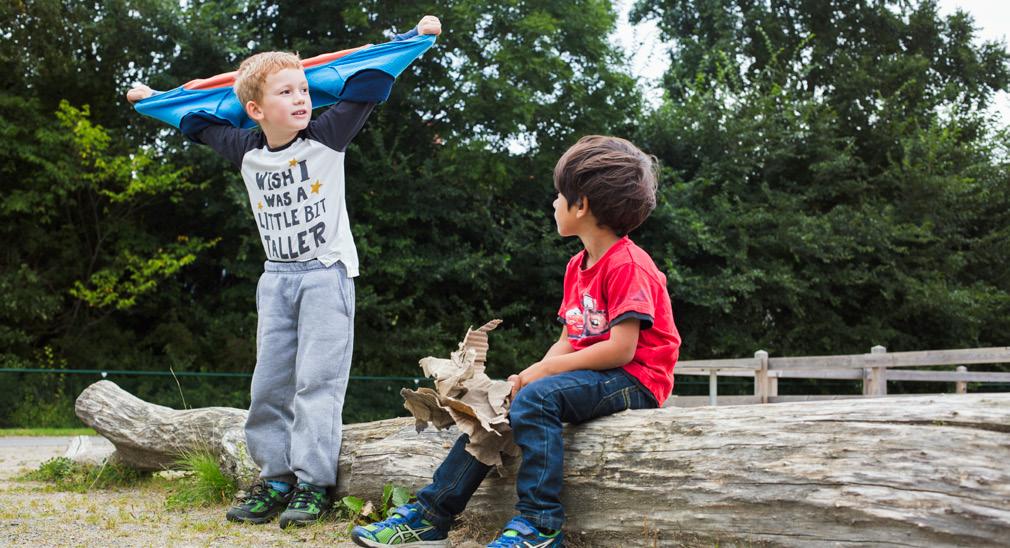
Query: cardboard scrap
{"type": "Point", "coordinates": [465, 396]}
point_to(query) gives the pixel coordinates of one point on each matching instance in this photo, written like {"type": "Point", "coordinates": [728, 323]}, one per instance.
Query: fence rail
{"type": "Point", "coordinates": [104, 373]}
{"type": "Point", "coordinates": [874, 369]}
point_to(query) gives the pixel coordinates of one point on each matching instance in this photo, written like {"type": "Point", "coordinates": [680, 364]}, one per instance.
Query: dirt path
{"type": "Point", "coordinates": [34, 514]}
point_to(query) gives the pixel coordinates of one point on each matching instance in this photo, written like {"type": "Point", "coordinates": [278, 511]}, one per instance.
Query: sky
{"type": "Point", "coordinates": [648, 55]}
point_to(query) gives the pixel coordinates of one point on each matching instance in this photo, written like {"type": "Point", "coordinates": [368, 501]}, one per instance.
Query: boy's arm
{"type": "Point", "coordinates": [429, 24]}
{"type": "Point", "coordinates": [560, 346]}
{"type": "Point", "coordinates": [230, 142]}
{"type": "Point", "coordinates": [616, 351]}
{"type": "Point", "coordinates": [337, 126]}
{"type": "Point", "coordinates": [367, 75]}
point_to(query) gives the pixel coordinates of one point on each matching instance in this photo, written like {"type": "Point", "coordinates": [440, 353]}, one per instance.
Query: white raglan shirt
{"type": "Point", "coordinates": [297, 192]}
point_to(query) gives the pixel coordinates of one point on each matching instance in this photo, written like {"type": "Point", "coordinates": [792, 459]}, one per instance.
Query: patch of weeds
{"type": "Point", "coordinates": [204, 485]}
{"type": "Point", "coordinates": [33, 432]}
{"type": "Point", "coordinates": [360, 512]}
{"type": "Point", "coordinates": [53, 470]}
{"type": "Point", "coordinates": [67, 475]}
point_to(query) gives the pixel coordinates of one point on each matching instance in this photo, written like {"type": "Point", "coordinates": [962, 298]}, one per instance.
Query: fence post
{"type": "Point", "coordinates": [713, 386]}
{"type": "Point", "coordinates": [764, 386]}
{"type": "Point", "coordinates": [875, 378]}
{"type": "Point", "coordinates": [961, 387]}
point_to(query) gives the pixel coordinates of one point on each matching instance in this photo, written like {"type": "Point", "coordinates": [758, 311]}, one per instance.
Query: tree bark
{"type": "Point", "coordinates": [905, 471]}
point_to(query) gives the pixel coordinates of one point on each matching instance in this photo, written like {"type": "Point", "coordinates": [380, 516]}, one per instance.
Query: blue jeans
{"type": "Point", "coordinates": [536, 416]}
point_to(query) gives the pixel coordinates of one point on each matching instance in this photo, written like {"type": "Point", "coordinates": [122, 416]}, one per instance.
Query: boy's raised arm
{"type": "Point", "coordinates": [363, 75]}
{"type": "Point", "coordinates": [337, 126]}
{"type": "Point", "coordinates": [429, 24]}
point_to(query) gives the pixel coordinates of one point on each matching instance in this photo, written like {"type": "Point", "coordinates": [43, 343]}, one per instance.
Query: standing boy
{"type": "Point", "coordinates": [616, 352]}
{"type": "Point", "coordinates": [293, 171]}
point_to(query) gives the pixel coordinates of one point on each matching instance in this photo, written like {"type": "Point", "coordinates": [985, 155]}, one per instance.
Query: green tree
{"type": "Point", "coordinates": [449, 184]}
{"type": "Point", "coordinates": [834, 178]}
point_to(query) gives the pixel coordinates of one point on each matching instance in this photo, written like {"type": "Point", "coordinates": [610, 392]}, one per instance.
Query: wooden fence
{"type": "Point", "coordinates": [873, 369]}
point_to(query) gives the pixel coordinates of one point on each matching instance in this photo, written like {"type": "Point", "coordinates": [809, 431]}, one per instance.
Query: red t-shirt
{"type": "Point", "coordinates": [624, 284]}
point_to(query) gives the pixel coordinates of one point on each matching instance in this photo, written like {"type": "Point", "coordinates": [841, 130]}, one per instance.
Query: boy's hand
{"type": "Point", "coordinates": [532, 373]}
{"type": "Point", "coordinates": [139, 92]}
{"type": "Point", "coordinates": [429, 24]}
{"type": "Point", "coordinates": [517, 383]}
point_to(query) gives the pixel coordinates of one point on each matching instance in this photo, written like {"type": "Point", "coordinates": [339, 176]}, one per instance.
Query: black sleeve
{"type": "Point", "coordinates": [409, 34]}
{"type": "Point", "coordinates": [228, 141]}
{"type": "Point", "coordinates": [337, 126]}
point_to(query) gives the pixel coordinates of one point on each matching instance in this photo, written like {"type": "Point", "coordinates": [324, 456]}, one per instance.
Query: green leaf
{"type": "Point", "coordinates": [353, 505]}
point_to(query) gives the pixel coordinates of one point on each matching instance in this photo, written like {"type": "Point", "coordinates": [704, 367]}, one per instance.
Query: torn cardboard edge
{"type": "Point", "coordinates": [465, 396]}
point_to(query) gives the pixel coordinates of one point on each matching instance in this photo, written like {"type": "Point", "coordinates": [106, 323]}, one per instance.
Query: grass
{"type": "Point", "coordinates": [205, 485]}
{"type": "Point", "coordinates": [37, 432]}
{"type": "Point", "coordinates": [114, 501]}
{"type": "Point", "coordinates": [67, 475]}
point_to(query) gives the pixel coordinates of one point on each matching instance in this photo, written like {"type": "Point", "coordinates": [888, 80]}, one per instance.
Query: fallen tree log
{"type": "Point", "coordinates": [906, 471]}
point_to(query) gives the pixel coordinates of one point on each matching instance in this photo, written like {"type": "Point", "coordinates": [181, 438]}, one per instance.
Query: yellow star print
{"type": "Point", "coordinates": [292, 162]}
{"type": "Point", "coordinates": [259, 205]}
{"type": "Point", "coordinates": [315, 187]}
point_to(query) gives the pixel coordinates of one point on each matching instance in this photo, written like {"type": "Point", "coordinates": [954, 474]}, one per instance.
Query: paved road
{"type": "Point", "coordinates": [22, 453]}
{"type": "Point", "coordinates": [35, 441]}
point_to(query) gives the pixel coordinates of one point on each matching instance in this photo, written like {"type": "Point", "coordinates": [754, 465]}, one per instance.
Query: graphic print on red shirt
{"type": "Point", "coordinates": [624, 284]}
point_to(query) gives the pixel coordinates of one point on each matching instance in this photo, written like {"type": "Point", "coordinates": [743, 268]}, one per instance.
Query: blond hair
{"type": "Point", "coordinates": [253, 72]}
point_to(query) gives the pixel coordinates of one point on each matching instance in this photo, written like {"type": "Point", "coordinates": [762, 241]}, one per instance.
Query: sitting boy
{"type": "Point", "coordinates": [616, 352]}
{"type": "Point", "coordinates": [293, 171]}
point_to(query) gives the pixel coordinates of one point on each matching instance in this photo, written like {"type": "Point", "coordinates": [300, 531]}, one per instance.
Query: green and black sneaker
{"type": "Point", "coordinates": [308, 505]}
{"type": "Point", "coordinates": [260, 506]}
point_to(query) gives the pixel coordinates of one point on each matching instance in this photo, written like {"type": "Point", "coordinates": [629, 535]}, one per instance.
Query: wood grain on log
{"type": "Point", "coordinates": [909, 471]}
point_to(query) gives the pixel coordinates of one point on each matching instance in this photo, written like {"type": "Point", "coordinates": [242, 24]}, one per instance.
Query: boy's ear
{"type": "Point", "coordinates": [582, 207]}
{"type": "Point", "coordinates": [254, 111]}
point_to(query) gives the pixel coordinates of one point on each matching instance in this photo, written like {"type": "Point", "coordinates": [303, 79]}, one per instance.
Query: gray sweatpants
{"type": "Point", "coordinates": [304, 338]}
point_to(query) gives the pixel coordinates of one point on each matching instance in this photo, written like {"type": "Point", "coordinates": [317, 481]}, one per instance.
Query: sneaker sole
{"type": "Point", "coordinates": [368, 543]}
{"type": "Point", "coordinates": [288, 522]}
{"type": "Point", "coordinates": [251, 520]}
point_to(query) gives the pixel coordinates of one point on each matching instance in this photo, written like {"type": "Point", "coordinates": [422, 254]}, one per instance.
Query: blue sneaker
{"type": "Point", "coordinates": [520, 533]}
{"type": "Point", "coordinates": [406, 527]}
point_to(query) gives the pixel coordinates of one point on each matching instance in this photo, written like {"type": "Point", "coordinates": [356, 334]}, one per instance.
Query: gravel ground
{"type": "Point", "coordinates": [34, 514]}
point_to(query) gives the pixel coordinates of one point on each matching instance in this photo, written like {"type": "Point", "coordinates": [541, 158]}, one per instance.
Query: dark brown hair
{"type": "Point", "coordinates": [618, 179]}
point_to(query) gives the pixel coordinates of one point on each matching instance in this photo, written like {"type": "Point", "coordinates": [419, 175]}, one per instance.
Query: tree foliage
{"type": "Point", "coordinates": [832, 180]}
{"type": "Point", "coordinates": [449, 185]}
{"type": "Point", "coordinates": [837, 180]}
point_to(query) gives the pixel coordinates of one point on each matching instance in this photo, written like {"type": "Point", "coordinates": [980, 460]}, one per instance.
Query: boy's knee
{"type": "Point", "coordinates": [533, 400]}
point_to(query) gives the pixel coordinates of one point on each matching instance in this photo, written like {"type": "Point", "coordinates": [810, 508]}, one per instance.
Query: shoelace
{"type": "Point", "coordinates": [303, 497]}
{"type": "Point", "coordinates": [394, 520]}
{"type": "Point", "coordinates": [259, 493]}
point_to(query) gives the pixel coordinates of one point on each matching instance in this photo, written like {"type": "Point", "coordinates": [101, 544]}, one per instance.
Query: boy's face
{"type": "Point", "coordinates": [565, 216]}
{"type": "Point", "coordinates": [285, 105]}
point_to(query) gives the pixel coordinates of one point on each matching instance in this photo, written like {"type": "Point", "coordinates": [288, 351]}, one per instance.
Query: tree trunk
{"type": "Point", "coordinates": [908, 471]}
